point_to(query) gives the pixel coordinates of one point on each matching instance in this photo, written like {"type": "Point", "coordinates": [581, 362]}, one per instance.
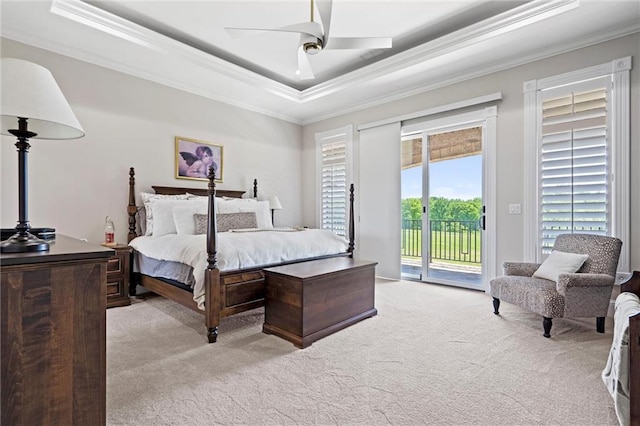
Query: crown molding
{"type": "Point", "coordinates": [519, 17]}
{"type": "Point", "coordinates": [426, 86]}
{"type": "Point", "coordinates": [107, 22]}
{"type": "Point", "coordinates": [279, 100]}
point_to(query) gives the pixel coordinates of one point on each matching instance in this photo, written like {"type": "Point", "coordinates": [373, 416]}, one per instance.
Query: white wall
{"type": "Point", "coordinates": [128, 121]}
{"type": "Point", "coordinates": [510, 135]}
{"type": "Point", "coordinates": [133, 122]}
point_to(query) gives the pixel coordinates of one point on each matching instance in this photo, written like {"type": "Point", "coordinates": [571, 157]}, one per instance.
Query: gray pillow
{"type": "Point", "coordinates": [226, 221]}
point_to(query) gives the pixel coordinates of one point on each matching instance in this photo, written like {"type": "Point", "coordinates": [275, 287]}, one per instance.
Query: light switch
{"type": "Point", "coordinates": [514, 209]}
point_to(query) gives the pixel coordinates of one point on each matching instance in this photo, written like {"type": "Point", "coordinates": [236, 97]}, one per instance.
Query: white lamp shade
{"type": "Point", "coordinates": [29, 91]}
{"type": "Point", "coordinates": [274, 203]}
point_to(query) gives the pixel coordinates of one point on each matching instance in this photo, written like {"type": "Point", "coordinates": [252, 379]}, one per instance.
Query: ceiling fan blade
{"type": "Point", "coordinates": [311, 28]}
{"type": "Point", "coordinates": [304, 67]}
{"type": "Point", "coordinates": [324, 9]}
{"type": "Point", "coordinates": [359, 43]}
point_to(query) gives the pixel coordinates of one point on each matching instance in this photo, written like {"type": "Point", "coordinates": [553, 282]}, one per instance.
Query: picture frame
{"type": "Point", "coordinates": [193, 159]}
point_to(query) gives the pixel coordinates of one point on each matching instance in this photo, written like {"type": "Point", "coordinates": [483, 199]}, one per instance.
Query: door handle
{"type": "Point", "coordinates": [482, 222]}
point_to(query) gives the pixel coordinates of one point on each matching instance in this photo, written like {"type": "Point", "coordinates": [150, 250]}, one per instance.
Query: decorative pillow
{"type": "Point", "coordinates": [183, 215]}
{"type": "Point", "coordinates": [163, 222]}
{"type": "Point", "coordinates": [261, 209]}
{"type": "Point", "coordinates": [558, 263]}
{"type": "Point", "coordinates": [225, 221]}
{"type": "Point", "coordinates": [141, 220]}
{"type": "Point", "coordinates": [146, 198]}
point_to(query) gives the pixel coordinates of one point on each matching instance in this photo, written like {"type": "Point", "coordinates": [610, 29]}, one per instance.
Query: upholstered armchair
{"type": "Point", "coordinates": [584, 293]}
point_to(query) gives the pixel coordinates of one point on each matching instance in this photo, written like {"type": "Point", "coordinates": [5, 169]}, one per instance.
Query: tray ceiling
{"type": "Point", "coordinates": [184, 44]}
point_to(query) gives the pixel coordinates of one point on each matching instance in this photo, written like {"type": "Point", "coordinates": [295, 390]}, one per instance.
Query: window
{"type": "Point", "coordinates": [334, 160]}
{"type": "Point", "coordinates": [574, 171]}
{"type": "Point", "coordinates": [577, 131]}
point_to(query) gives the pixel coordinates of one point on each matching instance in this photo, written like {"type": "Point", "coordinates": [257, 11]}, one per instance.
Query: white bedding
{"type": "Point", "coordinates": [238, 250]}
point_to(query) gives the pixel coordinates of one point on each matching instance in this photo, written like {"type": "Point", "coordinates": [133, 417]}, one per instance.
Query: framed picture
{"type": "Point", "coordinates": [195, 157]}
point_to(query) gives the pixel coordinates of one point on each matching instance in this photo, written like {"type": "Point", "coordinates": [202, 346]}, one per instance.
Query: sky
{"type": "Point", "coordinates": [459, 178]}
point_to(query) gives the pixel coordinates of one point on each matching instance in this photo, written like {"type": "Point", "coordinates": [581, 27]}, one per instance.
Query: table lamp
{"type": "Point", "coordinates": [274, 204]}
{"type": "Point", "coordinates": [32, 106]}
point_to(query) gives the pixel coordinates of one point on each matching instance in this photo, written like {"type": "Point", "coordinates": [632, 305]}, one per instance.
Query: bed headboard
{"type": "Point", "coordinates": [173, 190]}
{"type": "Point", "coordinates": [132, 208]}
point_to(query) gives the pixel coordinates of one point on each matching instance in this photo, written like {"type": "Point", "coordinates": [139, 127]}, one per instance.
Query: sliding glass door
{"type": "Point", "coordinates": [443, 202]}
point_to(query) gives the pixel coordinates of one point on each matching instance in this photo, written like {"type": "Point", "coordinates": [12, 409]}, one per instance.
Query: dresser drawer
{"type": "Point", "coordinates": [116, 264]}
{"type": "Point", "coordinates": [118, 277]}
{"type": "Point", "coordinates": [115, 286]}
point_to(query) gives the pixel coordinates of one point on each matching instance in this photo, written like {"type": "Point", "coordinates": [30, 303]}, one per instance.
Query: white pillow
{"type": "Point", "coordinates": [261, 209]}
{"type": "Point", "coordinates": [183, 215]}
{"type": "Point", "coordinates": [163, 222]}
{"type": "Point", "coordinates": [223, 206]}
{"type": "Point", "coordinates": [558, 263]}
{"type": "Point", "coordinates": [146, 198]}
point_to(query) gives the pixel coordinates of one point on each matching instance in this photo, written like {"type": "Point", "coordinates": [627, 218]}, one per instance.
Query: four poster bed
{"type": "Point", "coordinates": [236, 285]}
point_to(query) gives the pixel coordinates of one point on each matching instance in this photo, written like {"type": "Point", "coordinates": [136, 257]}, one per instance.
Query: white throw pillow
{"type": "Point", "coordinates": [146, 198]}
{"type": "Point", "coordinates": [183, 215]}
{"type": "Point", "coordinates": [163, 222]}
{"type": "Point", "coordinates": [558, 263]}
{"type": "Point", "coordinates": [261, 209]}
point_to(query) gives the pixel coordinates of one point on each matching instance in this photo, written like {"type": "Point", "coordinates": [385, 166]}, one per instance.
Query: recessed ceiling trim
{"type": "Point", "coordinates": [145, 74]}
{"type": "Point", "coordinates": [109, 23]}
{"type": "Point", "coordinates": [223, 81]}
{"type": "Point", "coordinates": [509, 21]}
{"type": "Point", "coordinates": [426, 86]}
{"type": "Point", "coordinates": [105, 21]}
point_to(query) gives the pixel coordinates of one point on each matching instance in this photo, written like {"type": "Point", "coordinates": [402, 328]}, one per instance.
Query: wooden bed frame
{"type": "Point", "coordinates": [633, 286]}
{"type": "Point", "coordinates": [226, 292]}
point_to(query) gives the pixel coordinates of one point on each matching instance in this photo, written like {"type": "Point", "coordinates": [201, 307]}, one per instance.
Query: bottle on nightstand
{"type": "Point", "coordinates": [109, 233]}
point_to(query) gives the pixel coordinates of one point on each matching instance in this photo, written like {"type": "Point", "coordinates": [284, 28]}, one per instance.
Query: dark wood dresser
{"type": "Point", "coordinates": [53, 333]}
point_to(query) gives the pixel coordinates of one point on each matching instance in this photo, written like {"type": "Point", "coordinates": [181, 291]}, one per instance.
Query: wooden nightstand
{"type": "Point", "coordinates": [118, 274]}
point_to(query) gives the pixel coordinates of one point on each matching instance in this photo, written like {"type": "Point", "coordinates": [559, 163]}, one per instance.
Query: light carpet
{"type": "Point", "coordinates": [433, 355]}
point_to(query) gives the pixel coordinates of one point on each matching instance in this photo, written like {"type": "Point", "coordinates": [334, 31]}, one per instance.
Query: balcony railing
{"type": "Point", "coordinates": [451, 240]}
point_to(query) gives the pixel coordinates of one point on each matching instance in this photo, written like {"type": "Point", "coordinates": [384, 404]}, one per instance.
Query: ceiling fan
{"type": "Point", "coordinates": [314, 37]}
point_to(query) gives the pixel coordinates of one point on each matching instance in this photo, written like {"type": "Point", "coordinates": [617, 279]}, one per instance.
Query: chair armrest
{"type": "Point", "coordinates": [522, 269]}
{"type": "Point", "coordinates": [566, 281]}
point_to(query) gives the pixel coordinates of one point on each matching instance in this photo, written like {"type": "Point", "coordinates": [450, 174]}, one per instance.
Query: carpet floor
{"type": "Point", "coordinates": [433, 355]}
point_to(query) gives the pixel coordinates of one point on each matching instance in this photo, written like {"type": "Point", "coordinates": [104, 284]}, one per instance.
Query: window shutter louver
{"type": "Point", "coordinates": [574, 170]}
{"type": "Point", "coordinates": [334, 187]}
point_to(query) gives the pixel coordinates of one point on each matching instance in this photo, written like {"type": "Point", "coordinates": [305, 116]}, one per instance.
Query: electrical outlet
{"type": "Point", "coordinates": [515, 209]}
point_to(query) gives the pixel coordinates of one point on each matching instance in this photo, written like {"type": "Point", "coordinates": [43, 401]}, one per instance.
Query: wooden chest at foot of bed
{"type": "Point", "coordinates": [310, 300]}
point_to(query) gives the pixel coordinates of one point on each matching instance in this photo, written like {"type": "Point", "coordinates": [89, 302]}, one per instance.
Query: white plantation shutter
{"type": "Point", "coordinates": [334, 170]}
{"type": "Point", "coordinates": [577, 132]}
{"type": "Point", "coordinates": [574, 169]}
{"type": "Point", "coordinates": [334, 187]}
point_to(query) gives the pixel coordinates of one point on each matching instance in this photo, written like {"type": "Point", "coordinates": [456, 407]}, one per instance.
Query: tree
{"type": "Point", "coordinates": [443, 209]}
{"type": "Point", "coordinates": [412, 209]}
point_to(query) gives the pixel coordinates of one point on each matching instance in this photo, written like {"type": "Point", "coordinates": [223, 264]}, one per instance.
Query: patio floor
{"type": "Point", "coordinates": [469, 275]}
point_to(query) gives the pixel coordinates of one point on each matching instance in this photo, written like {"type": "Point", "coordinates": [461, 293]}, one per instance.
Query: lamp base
{"type": "Point", "coordinates": [22, 242]}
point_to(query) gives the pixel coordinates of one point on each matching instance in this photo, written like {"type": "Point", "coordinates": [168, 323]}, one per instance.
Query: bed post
{"type": "Point", "coordinates": [212, 276]}
{"type": "Point", "coordinates": [255, 188]}
{"type": "Point", "coordinates": [131, 208]}
{"type": "Point", "coordinates": [352, 231]}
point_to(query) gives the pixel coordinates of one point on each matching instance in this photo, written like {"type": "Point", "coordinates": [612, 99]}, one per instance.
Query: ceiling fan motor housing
{"type": "Point", "coordinates": [313, 47]}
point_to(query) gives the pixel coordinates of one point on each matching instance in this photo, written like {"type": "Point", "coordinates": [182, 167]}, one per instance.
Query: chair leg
{"type": "Point", "coordinates": [546, 324]}
{"type": "Point", "coordinates": [600, 324]}
{"type": "Point", "coordinates": [496, 305]}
